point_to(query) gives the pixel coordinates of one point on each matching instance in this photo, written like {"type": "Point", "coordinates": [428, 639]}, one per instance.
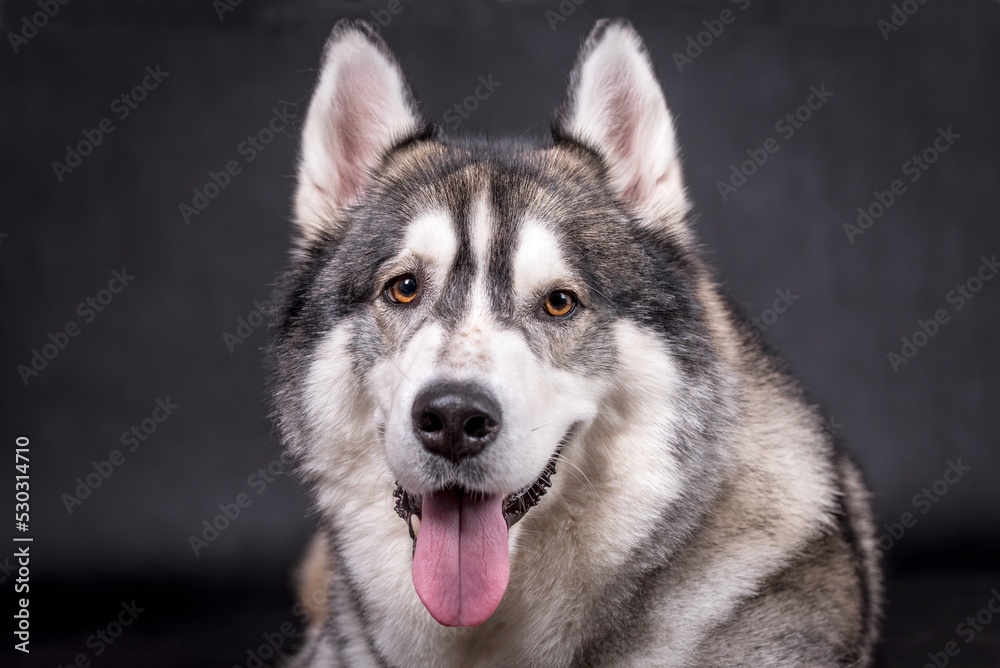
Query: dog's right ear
{"type": "Point", "coordinates": [361, 108]}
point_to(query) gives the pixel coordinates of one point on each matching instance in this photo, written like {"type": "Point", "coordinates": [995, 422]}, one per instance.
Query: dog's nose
{"type": "Point", "coordinates": [455, 420]}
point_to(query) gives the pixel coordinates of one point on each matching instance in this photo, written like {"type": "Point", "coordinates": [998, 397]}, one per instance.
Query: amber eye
{"type": "Point", "coordinates": [403, 289]}
{"type": "Point", "coordinates": [560, 303]}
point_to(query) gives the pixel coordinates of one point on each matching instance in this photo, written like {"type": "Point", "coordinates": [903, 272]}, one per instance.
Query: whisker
{"type": "Point", "coordinates": [589, 456]}
{"type": "Point", "coordinates": [607, 299]}
{"type": "Point", "coordinates": [562, 458]}
{"type": "Point", "coordinates": [400, 370]}
{"type": "Point", "coordinates": [378, 479]}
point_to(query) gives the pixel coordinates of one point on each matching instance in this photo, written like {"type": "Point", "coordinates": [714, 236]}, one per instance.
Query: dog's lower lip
{"type": "Point", "coordinates": [515, 505]}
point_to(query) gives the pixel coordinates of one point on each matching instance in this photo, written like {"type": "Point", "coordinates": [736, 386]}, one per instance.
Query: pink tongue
{"type": "Point", "coordinates": [461, 564]}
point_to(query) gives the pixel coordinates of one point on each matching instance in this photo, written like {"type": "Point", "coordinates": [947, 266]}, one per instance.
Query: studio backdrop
{"type": "Point", "coordinates": [842, 159]}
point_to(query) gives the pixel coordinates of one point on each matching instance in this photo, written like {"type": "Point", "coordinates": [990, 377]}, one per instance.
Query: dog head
{"type": "Point", "coordinates": [460, 315]}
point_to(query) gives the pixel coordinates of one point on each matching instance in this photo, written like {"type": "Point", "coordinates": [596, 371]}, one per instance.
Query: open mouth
{"type": "Point", "coordinates": [514, 507]}
{"type": "Point", "coordinates": [461, 559]}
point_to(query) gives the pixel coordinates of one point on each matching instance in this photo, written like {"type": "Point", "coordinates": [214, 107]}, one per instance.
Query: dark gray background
{"type": "Point", "coordinates": [163, 335]}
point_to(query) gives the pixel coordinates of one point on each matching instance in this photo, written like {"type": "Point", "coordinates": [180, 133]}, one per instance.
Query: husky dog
{"type": "Point", "coordinates": [535, 432]}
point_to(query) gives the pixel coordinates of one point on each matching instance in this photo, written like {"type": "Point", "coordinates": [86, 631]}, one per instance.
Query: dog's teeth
{"type": "Point", "coordinates": [415, 524]}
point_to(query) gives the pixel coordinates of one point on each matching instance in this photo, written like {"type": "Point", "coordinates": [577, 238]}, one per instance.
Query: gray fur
{"type": "Point", "coordinates": [764, 557]}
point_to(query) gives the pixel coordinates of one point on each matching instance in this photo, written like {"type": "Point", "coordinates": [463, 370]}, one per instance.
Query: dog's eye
{"type": "Point", "coordinates": [403, 289]}
{"type": "Point", "coordinates": [560, 303]}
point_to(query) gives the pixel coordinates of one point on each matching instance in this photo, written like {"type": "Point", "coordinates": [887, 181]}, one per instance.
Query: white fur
{"type": "Point", "coordinates": [481, 232]}
{"type": "Point", "coordinates": [431, 241]}
{"type": "Point", "coordinates": [539, 264]}
{"type": "Point", "coordinates": [481, 223]}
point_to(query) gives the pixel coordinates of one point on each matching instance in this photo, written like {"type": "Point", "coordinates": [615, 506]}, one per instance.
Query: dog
{"type": "Point", "coordinates": [535, 431]}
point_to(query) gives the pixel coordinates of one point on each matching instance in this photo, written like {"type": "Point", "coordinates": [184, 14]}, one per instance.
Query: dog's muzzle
{"type": "Point", "coordinates": [461, 560]}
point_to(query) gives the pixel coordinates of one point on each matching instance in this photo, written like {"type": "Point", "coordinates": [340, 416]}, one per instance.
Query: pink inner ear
{"type": "Point", "coordinates": [622, 106]}
{"type": "Point", "coordinates": [357, 133]}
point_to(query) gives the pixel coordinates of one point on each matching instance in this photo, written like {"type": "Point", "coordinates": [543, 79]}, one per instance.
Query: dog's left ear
{"type": "Point", "coordinates": [616, 107]}
{"type": "Point", "coordinates": [362, 108]}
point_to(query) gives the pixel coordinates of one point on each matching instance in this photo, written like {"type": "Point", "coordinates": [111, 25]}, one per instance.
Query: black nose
{"type": "Point", "coordinates": [455, 420]}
